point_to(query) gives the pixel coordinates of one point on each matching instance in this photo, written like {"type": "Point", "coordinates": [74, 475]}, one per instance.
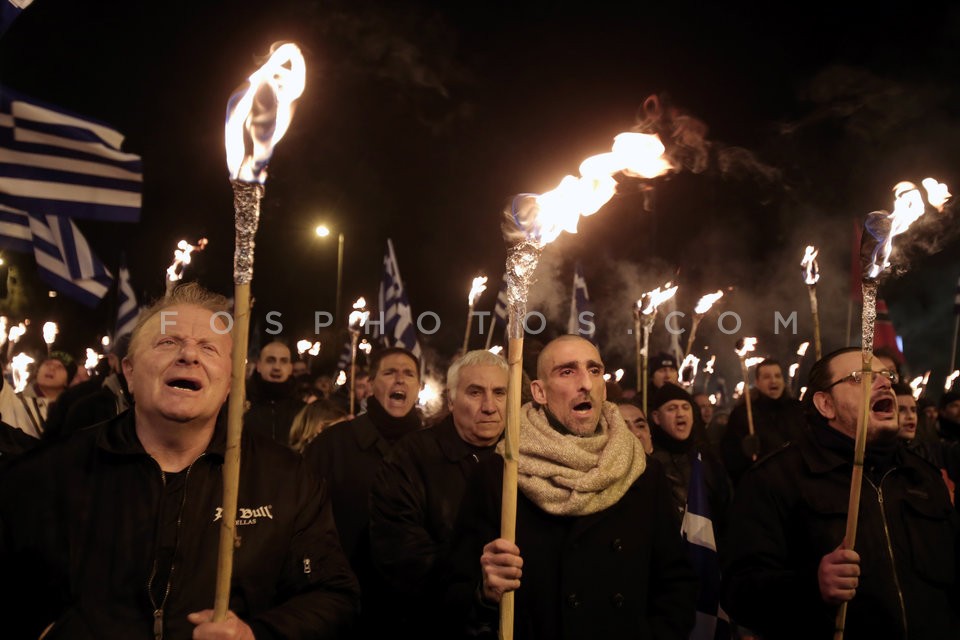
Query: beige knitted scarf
{"type": "Point", "coordinates": [569, 475]}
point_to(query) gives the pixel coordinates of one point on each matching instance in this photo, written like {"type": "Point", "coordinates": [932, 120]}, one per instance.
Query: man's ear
{"type": "Point", "coordinates": [538, 392]}
{"type": "Point", "coordinates": [823, 401]}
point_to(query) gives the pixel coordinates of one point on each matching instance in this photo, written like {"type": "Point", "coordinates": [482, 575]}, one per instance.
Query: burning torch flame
{"type": "Point", "coordinates": [688, 369]}
{"type": "Point", "coordinates": [181, 258]}
{"type": "Point", "coordinates": [937, 193]}
{"type": "Point", "coordinates": [3, 330]}
{"type": "Point", "coordinates": [708, 368]}
{"type": "Point", "coordinates": [802, 349]}
{"type": "Point", "coordinates": [50, 331]}
{"type": "Point", "coordinates": [16, 332]}
{"type": "Point", "coordinates": [105, 341]}
{"type": "Point", "coordinates": [751, 362]}
{"type": "Point", "coordinates": [607, 377]}
{"type": "Point", "coordinates": [951, 379]}
{"type": "Point", "coordinates": [907, 208]}
{"type": "Point", "coordinates": [478, 287]}
{"type": "Point", "coordinates": [303, 346]}
{"type": "Point", "coordinates": [496, 350]}
{"type": "Point", "coordinates": [341, 378]}
{"type": "Point", "coordinates": [542, 218]}
{"type": "Point", "coordinates": [358, 317]}
{"type": "Point", "coordinates": [745, 346]}
{"type": "Point", "coordinates": [365, 346]}
{"type": "Point", "coordinates": [258, 115]}
{"type": "Point", "coordinates": [93, 358]}
{"type": "Point", "coordinates": [706, 302]}
{"type": "Point", "coordinates": [618, 375]}
{"type": "Point", "coordinates": [917, 385]}
{"type": "Point", "coordinates": [738, 391]}
{"type": "Point", "coordinates": [649, 302]}
{"type": "Point", "coordinates": [811, 270]}
{"type": "Point", "coordinates": [793, 370]}
{"type": "Point", "coordinates": [429, 398]}
{"type": "Point", "coordinates": [18, 368]}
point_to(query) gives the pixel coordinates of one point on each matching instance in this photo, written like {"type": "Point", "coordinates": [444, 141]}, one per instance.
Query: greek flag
{"type": "Point", "coordinates": [63, 256]}
{"type": "Point", "coordinates": [581, 309]}
{"type": "Point", "coordinates": [127, 310]}
{"type": "Point", "coordinates": [398, 328]}
{"type": "Point", "coordinates": [56, 163]}
{"type": "Point", "coordinates": [10, 10]}
{"type": "Point", "coordinates": [500, 308]}
{"type": "Point", "coordinates": [697, 529]}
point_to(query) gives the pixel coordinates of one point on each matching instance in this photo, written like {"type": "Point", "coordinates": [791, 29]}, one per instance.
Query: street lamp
{"type": "Point", "coordinates": [323, 231]}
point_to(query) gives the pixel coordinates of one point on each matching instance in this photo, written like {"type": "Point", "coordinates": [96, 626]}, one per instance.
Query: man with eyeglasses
{"type": "Point", "coordinates": [784, 571]}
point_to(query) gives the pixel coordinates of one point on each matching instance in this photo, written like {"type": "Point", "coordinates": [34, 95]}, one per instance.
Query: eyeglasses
{"type": "Point", "coordinates": [857, 376]}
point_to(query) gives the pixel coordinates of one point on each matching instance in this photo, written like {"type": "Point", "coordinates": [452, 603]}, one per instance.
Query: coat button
{"type": "Point", "coordinates": [617, 600]}
{"type": "Point", "coordinates": [572, 601]}
{"type": "Point", "coordinates": [617, 545]}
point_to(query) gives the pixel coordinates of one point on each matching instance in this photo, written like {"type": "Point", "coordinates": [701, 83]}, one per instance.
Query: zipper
{"type": "Point", "coordinates": [886, 534]}
{"type": "Point", "coordinates": [158, 609]}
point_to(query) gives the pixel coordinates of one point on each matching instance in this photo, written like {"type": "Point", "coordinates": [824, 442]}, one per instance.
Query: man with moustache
{"type": "Point", "coordinates": [784, 570]}
{"type": "Point", "coordinates": [419, 487]}
{"type": "Point", "coordinates": [114, 532]}
{"type": "Point", "coordinates": [597, 549]}
{"type": "Point", "coordinates": [348, 454]}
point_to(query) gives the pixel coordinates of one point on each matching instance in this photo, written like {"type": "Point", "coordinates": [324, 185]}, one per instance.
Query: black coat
{"type": "Point", "coordinates": [413, 508]}
{"type": "Point", "coordinates": [272, 408]}
{"type": "Point", "coordinates": [790, 511]}
{"type": "Point", "coordinates": [619, 573]}
{"type": "Point", "coordinates": [81, 528]}
{"type": "Point", "coordinates": [775, 422]}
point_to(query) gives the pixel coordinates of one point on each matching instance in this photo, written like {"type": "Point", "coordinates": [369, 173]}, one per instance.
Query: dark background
{"type": "Point", "coordinates": [419, 119]}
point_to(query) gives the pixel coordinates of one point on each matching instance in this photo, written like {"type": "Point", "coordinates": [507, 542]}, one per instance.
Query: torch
{"type": "Point", "coordinates": [18, 371]}
{"type": "Point", "coordinates": [708, 369]}
{"type": "Point", "coordinates": [50, 331]}
{"type": "Point", "coordinates": [646, 314]}
{"type": "Point", "coordinates": [13, 337]}
{"type": "Point", "coordinates": [795, 367]}
{"type": "Point", "coordinates": [478, 287]}
{"type": "Point", "coordinates": [948, 384]}
{"type": "Point", "coordinates": [876, 245]}
{"type": "Point", "coordinates": [811, 274]}
{"type": "Point", "coordinates": [258, 115]}
{"type": "Point", "coordinates": [745, 346]}
{"type": "Point", "coordinates": [181, 258]}
{"type": "Point", "coordinates": [530, 223]}
{"type": "Point", "coordinates": [688, 370]}
{"type": "Point", "coordinates": [703, 306]}
{"type": "Point", "coordinates": [358, 318]}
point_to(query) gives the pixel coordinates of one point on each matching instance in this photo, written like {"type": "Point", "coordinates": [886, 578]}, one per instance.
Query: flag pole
{"type": "Point", "coordinates": [953, 349]}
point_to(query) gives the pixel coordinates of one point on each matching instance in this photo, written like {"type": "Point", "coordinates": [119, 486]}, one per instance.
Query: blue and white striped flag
{"type": "Point", "coordinates": [500, 308]}
{"type": "Point", "coordinates": [581, 309]}
{"type": "Point", "coordinates": [697, 529]}
{"type": "Point", "coordinates": [398, 327]}
{"type": "Point", "coordinates": [63, 256]}
{"type": "Point", "coordinates": [10, 10]}
{"type": "Point", "coordinates": [127, 309]}
{"type": "Point", "coordinates": [56, 163]}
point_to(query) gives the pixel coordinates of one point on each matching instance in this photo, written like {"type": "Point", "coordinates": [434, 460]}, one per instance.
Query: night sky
{"type": "Point", "coordinates": [420, 119]}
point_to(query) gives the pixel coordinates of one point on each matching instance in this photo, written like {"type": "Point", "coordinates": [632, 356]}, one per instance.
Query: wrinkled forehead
{"type": "Point", "coordinates": [564, 350]}
{"type": "Point", "coordinates": [485, 375]}
{"type": "Point", "coordinates": [183, 320]}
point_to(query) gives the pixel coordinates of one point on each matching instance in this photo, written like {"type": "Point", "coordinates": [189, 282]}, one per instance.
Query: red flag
{"type": "Point", "coordinates": [884, 334]}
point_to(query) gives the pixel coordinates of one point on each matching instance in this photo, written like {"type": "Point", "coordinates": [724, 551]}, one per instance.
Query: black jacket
{"type": "Point", "coordinates": [620, 573]}
{"type": "Point", "coordinates": [790, 510]}
{"type": "Point", "coordinates": [775, 423]}
{"type": "Point", "coordinates": [272, 408]}
{"type": "Point", "coordinates": [413, 508]}
{"type": "Point", "coordinates": [83, 523]}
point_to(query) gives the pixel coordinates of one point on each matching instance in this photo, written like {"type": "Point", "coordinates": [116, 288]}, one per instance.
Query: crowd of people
{"type": "Point", "coordinates": [687, 520]}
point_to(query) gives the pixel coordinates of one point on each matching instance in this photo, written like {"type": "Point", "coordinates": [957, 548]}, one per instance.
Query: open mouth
{"type": "Point", "coordinates": [583, 406]}
{"type": "Point", "coordinates": [399, 396]}
{"type": "Point", "coordinates": [182, 383]}
{"type": "Point", "coordinates": [883, 405]}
